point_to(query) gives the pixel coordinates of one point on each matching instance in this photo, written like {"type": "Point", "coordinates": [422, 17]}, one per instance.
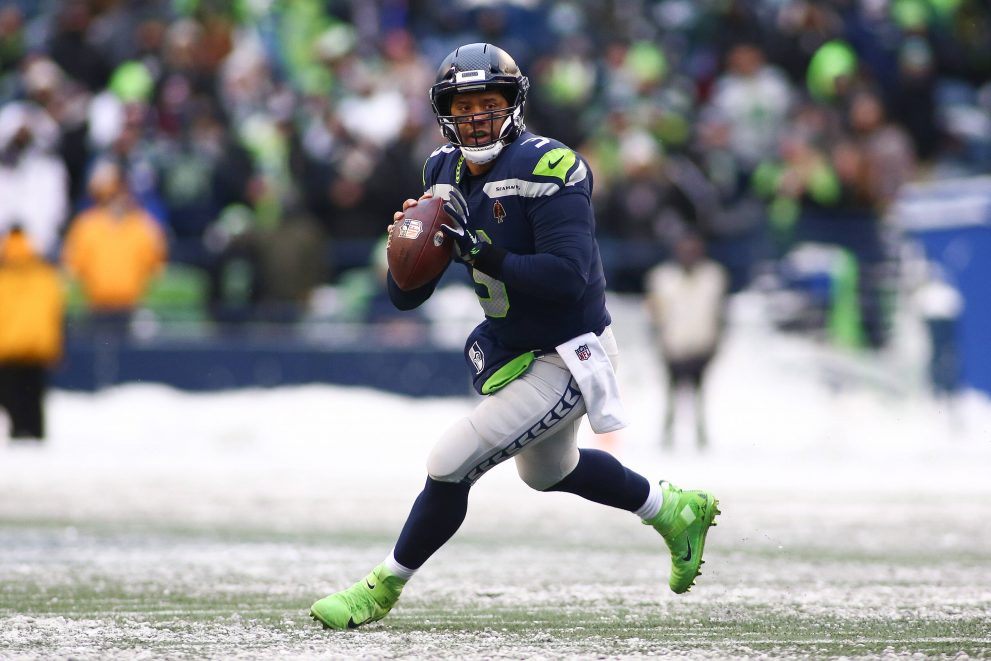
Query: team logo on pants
{"type": "Point", "coordinates": [477, 357]}
{"type": "Point", "coordinates": [583, 352]}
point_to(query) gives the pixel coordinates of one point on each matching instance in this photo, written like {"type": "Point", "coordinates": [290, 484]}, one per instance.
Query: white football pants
{"type": "Point", "coordinates": [534, 419]}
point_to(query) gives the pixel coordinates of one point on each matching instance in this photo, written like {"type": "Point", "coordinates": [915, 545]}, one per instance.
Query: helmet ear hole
{"type": "Point", "coordinates": [449, 130]}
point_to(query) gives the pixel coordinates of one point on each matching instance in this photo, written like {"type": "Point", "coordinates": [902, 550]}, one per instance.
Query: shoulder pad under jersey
{"type": "Point", "coordinates": [540, 167]}
{"type": "Point", "coordinates": [433, 165]}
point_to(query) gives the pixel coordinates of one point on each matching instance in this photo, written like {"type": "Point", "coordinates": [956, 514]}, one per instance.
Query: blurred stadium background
{"type": "Point", "coordinates": [835, 156]}
{"type": "Point", "coordinates": [831, 153]}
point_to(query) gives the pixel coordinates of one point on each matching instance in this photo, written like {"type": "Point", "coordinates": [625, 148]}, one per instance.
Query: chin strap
{"type": "Point", "coordinates": [481, 155]}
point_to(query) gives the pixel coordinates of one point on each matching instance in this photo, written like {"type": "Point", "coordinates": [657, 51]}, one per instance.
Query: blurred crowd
{"type": "Point", "coordinates": [265, 143]}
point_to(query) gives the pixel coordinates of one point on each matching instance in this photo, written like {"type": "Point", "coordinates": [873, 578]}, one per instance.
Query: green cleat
{"type": "Point", "coordinates": [683, 522]}
{"type": "Point", "coordinates": [368, 600]}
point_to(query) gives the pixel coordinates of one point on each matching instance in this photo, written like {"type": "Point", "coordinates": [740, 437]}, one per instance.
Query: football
{"type": "Point", "coordinates": [418, 250]}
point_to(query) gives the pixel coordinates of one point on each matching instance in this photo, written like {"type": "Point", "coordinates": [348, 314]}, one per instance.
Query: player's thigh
{"type": "Point", "coordinates": [532, 407]}
{"type": "Point", "coordinates": [548, 461]}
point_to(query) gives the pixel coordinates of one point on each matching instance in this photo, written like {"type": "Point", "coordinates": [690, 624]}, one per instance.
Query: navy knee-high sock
{"type": "Point", "coordinates": [600, 477]}
{"type": "Point", "coordinates": [436, 515]}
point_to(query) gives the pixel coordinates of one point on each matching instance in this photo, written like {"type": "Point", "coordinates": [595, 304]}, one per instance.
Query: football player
{"type": "Point", "coordinates": [523, 226]}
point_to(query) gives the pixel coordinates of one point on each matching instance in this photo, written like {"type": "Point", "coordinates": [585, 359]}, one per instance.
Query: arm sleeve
{"type": "Point", "coordinates": [564, 244]}
{"type": "Point", "coordinates": [407, 300]}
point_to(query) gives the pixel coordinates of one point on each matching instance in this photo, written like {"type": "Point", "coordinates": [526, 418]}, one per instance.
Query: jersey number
{"type": "Point", "coordinates": [537, 139]}
{"type": "Point", "coordinates": [495, 299]}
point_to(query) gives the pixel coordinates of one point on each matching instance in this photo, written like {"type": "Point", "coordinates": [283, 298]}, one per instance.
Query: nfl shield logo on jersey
{"type": "Point", "coordinates": [583, 352]}
{"type": "Point", "coordinates": [477, 357]}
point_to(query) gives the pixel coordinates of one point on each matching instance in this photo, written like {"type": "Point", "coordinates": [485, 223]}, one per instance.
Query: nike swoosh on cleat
{"type": "Point", "coordinates": [688, 556]}
{"type": "Point", "coordinates": [369, 585]}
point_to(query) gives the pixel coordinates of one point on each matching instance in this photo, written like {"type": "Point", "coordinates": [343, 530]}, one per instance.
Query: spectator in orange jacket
{"type": "Point", "coordinates": [114, 249]}
{"type": "Point", "coordinates": [31, 315]}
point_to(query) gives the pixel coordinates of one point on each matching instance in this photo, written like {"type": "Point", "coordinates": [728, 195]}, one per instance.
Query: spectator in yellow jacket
{"type": "Point", "coordinates": [31, 316]}
{"type": "Point", "coordinates": [114, 248]}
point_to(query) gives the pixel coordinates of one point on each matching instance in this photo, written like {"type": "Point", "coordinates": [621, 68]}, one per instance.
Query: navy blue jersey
{"type": "Point", "coordinates": [534, 203]}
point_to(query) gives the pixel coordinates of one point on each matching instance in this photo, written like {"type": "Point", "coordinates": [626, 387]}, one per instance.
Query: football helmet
{"type": "Point", "coordinates": [475, 68]}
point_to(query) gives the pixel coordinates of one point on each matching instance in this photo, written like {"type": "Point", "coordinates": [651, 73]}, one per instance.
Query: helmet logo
{"type": "Point", "coordinates": [468, 76]}
{"type": "Point", "coordinates": [498, 211]}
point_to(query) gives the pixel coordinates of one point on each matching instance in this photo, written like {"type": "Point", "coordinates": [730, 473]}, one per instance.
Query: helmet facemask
{"type": "Point", "coordinates": [495, 129]}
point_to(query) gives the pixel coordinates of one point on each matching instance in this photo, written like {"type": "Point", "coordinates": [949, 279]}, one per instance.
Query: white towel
{"type": "Point", "coordinates": [591, 368]}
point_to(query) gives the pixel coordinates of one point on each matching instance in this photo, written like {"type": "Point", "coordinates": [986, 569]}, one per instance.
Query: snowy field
{"type": "Point", "coordinates": [159, 524]}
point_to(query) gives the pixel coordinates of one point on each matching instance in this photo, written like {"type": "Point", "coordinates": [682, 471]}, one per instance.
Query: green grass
{"type": "Point", "coordinates": [119, 590]}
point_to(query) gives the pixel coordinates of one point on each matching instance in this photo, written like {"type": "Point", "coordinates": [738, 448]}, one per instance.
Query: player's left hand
{"type": "Point", "coordinates": [467, 245]}
{"type": "Point", "coordinates": [480, 255]}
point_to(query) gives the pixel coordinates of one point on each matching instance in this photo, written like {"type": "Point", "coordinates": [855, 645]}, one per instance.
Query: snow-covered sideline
{"type": "Point", "coordinates": [785, 413]}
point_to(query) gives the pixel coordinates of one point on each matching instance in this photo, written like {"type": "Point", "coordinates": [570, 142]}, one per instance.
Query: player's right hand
{"type": "Point", "coordinates": [397, 216]}
{"type": "Point", "coordinates": [407, 203]}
